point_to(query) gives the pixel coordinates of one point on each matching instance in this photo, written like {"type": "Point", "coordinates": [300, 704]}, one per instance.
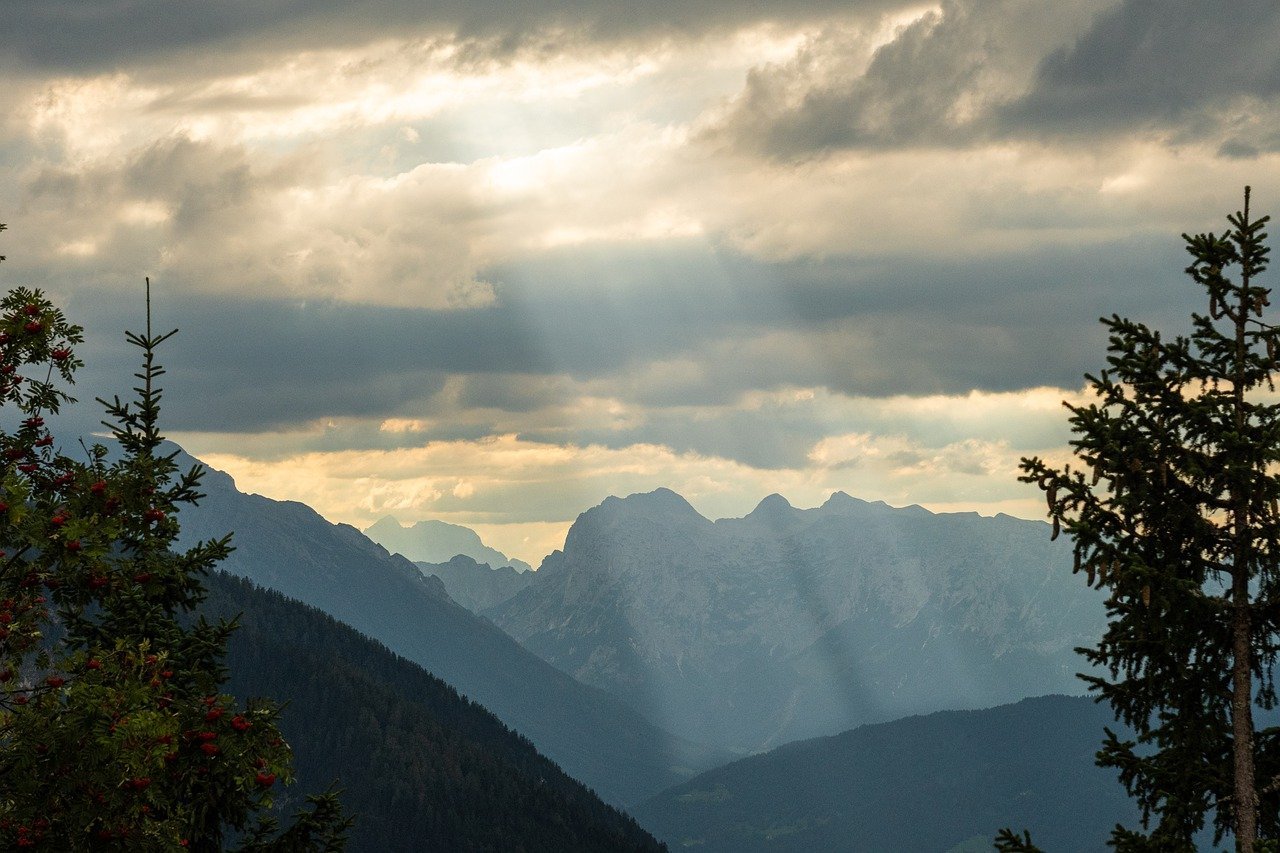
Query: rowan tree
{"type": "Point", "coordinates": [1173, 507]}
{"type": "Point", "coordinates": [113, 732]}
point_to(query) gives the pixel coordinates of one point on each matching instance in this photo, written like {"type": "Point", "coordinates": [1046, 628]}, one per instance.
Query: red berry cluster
{"type": "Point", "coordinates": [32, 333]}
{"type": "Point", "coordinates": [26, 835]}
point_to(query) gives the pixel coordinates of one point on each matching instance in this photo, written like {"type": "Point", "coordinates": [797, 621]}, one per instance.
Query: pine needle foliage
{"type": "Point", "coordinates": [1173, 506]}
{"type": "Point", "coordinates": [113, 732]}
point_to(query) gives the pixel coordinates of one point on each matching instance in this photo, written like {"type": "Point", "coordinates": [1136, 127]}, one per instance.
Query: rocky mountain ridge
{"type": "Point", "coordinates": [791, 623]}
{"type": "Point", "coordinates": [476, 586]}
{"type": "Point", "coordinates": [433, 770]}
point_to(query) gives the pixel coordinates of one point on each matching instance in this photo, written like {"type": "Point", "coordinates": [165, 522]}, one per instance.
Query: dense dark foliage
{"type": "Point", "coordinates": [421, 767]}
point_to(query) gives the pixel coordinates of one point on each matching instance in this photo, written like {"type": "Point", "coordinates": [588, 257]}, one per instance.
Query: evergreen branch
{"type": "Point", "coordinates": [1007, 841]}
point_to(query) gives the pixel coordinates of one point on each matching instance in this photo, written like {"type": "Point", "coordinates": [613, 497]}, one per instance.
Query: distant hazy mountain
{"type": "Point", "coordinates": [942, 783]}
{"type": "Point", "coordinates": [419, 766]}
{"type": "Point", "coordinates": [437, 542]}
{"type": "Point", "coordinates": [474, 585]}
{"type": "Point", "coordinates": [791, 623]}
{"type": "Point", "coordinates": [288, 547]}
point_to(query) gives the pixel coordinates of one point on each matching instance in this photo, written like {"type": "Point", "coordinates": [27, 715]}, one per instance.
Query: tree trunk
{"type": "Point", "coordinates": [1245, 797]}
{"type": "Point", "coordinates": [1245, 805]}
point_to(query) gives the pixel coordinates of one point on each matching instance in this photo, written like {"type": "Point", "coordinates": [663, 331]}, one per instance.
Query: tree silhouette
{"type": "Point", "coordinates": [1174, 508]}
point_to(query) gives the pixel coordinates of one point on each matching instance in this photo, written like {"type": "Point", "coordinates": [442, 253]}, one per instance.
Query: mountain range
{"type": "Point", "coordinates": [288, 547]}
{"type": "Point", "coordinates": [746, 633]}
{"type": "Point", "coordinates": [434, 541]}
{"type": "Point", "coordinates": [421, 767]}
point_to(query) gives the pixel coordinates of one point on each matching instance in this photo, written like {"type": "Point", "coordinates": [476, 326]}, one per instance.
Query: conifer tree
{"type": "Point", "coordinates": [1173, 506]}
{"type": "Point", "coordinates": [113, 732]}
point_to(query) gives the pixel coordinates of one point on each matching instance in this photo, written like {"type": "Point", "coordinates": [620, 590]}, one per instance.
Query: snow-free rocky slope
{"type": "Point", "coordinates": [788, 623]}
{"type": "Point", "coordinates": [288, 547]}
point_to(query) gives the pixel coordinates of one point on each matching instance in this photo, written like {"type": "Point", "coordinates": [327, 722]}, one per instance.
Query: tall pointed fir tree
{"type": "Point", "coordinates": [1174, 508]}
{"type": "Point", "coordinates": [113, 732]}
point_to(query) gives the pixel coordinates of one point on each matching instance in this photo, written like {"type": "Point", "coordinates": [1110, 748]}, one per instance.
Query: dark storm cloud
{"type": "Point", "coordinates": [903, 323]}
{"type": "Point", "coordinates": [777, 438]}
{"type": "Point", "coordinates": [989, 70]}
{"type": "Point", "coordinates": [272, 364]}
{"type": "Point", "coordinates": [515, 393]}
{"type": "Point", "coordinates": [711, 328]}
{"type": "Point", "coordinates": [1170, 64]}
{"type": "Point", "coordinates": [91, 35]}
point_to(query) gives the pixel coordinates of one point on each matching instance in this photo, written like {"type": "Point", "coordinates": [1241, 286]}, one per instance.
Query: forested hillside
{"type": "Point", "coordinates": [941, 783]}
{"type": "Point", "coordinates": [421, 767]}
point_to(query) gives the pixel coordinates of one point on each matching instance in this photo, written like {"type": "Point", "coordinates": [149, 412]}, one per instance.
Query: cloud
{"type": "Point", "coordinates": [497, 295]}
{"type": "Point", "coordinates": [1182, 70]}
{"type": "Point", "coordinates": [780, 429]}
{"type": "Point", "coordinates": [929, 80]}
{"type": "Point", "coordinates": [784, 431]}
{"type": "Point", "coordinates": [316, 94]}
{"type": "Point", "coordinates": [969, 73]}
{"type": "Point", "coordinates": [194, 213]}
{"type": "Point", "coordinates": [337, 198]}
{"type": "Point", "coordinates": [628, 341]}
{"type": "Point", "coordinates": [87, 36]}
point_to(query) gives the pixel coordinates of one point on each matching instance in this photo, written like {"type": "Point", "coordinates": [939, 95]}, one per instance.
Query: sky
{"type": "Point", "coordinates": [491, 262]}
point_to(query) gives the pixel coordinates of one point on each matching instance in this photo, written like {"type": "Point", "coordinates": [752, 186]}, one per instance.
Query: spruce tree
{"type": "Point", "coordinates": [1173, 506]}
{"type": "Point", "coordinates": [113, 731]}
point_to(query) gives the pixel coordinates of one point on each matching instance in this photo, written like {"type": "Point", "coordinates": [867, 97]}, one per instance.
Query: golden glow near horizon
{"type": "Point", "coordinates": [458, 481]}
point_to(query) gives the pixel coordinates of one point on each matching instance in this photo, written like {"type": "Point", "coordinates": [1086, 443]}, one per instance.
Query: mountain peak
{"type": "Point", "coordinates": [840, 500]}
{"type": "Point", "coordinates": [662, 493]}
{"type": "Point", "coordinates": [463, 561]}
{"type": "Point", "coordinates": [661, 506]}
{"type": "Point", "coordinates": [661, 499]}
{"type": "Point", "coordinates": [386, 523]}
{"type": "Point", "coordinates": [772, 505]}
{"type": "Point", "coordinates": [213, 478]}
